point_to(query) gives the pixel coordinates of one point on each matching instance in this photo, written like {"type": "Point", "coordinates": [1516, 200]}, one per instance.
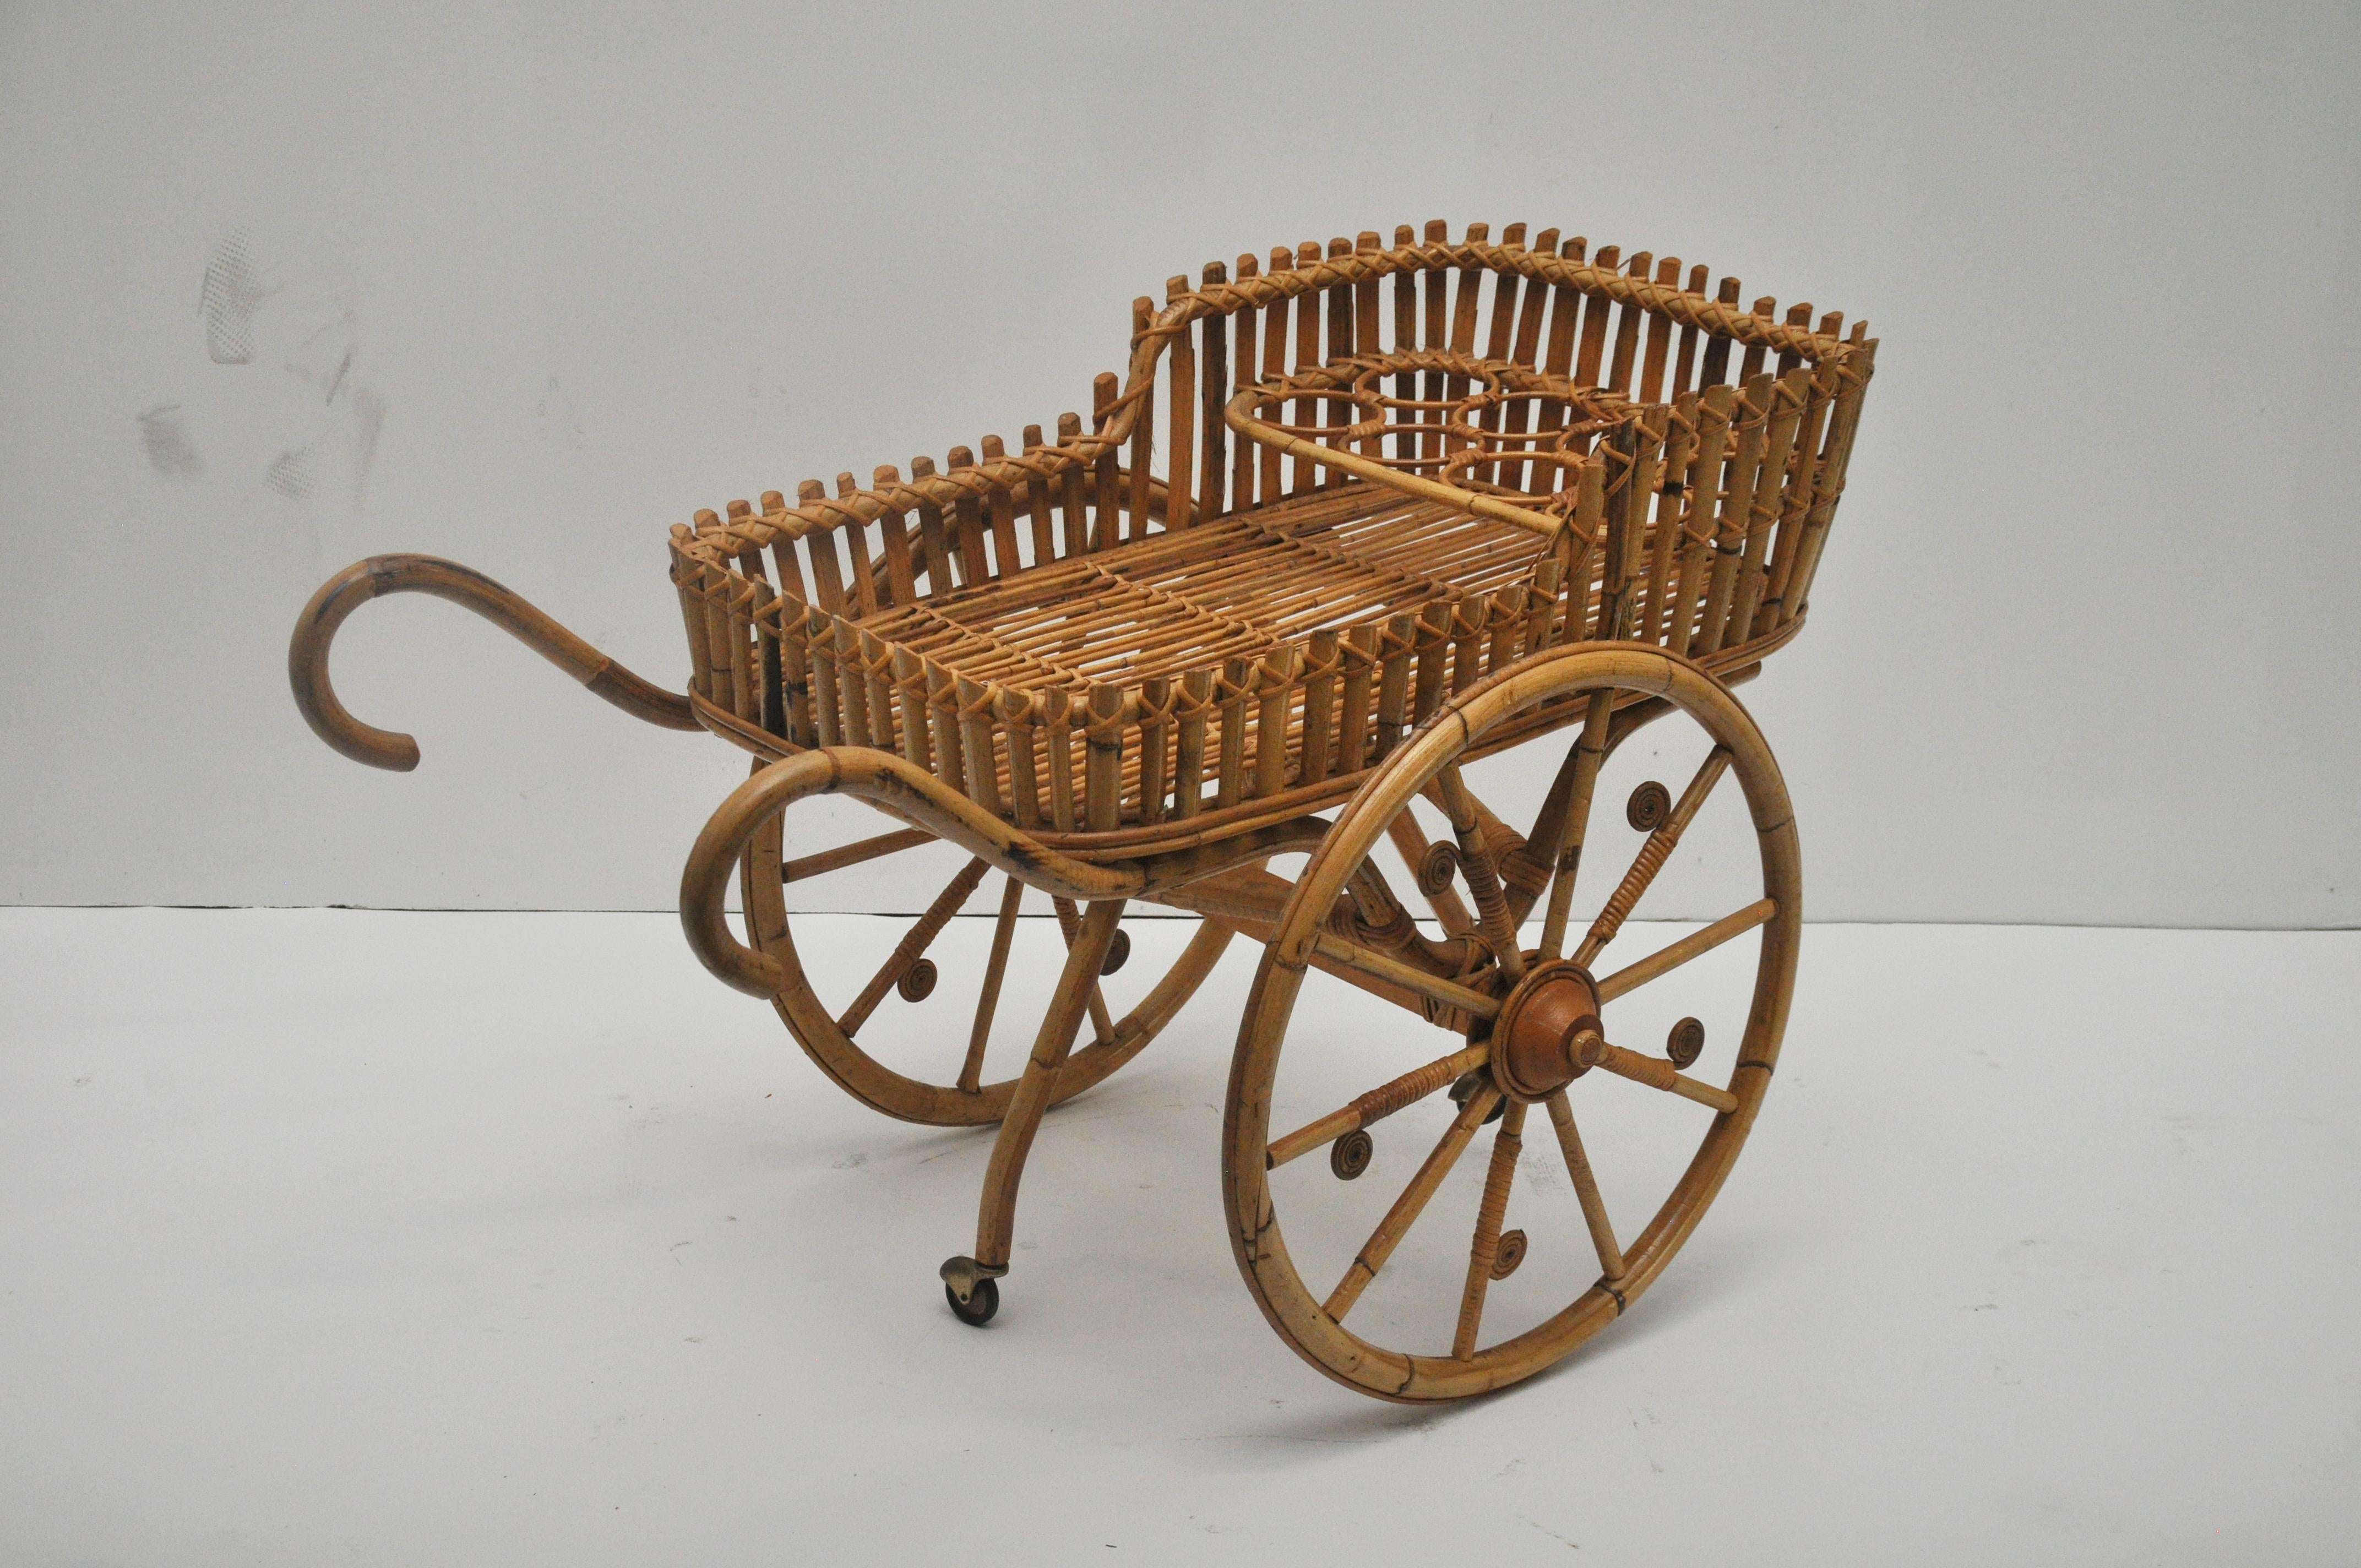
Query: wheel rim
{"type": "Point", "coordinates": [949, 1087]}
{"type": "Point", "coordinates": [1308, 1314]}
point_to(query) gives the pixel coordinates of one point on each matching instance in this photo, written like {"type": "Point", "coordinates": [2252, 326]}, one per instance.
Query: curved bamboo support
{"type": "Point", "coordinates": [307, 653]}
{"type": "Point", "coordinates": [1236, 414]}
{"type": "Point", "coordinates": [907, 791]}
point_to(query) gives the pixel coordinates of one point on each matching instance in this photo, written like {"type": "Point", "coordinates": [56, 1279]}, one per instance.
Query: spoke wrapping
{"type": "Point", "coordinates": [913, 945]}
{"type": "Point", "coordinates": [1377, 1105]}
{"type": "Point", "coordinates": [1653, 855]}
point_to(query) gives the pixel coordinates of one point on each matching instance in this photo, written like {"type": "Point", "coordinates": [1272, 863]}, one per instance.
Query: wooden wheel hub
{"type": "Point", "coordinates": [1548, 1031]}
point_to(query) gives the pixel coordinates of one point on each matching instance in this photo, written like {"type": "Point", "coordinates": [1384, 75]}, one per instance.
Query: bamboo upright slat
{"type": "Point", "coordinates": [1437, 333]}
{"type": "Point", "coordinates": [1106, 487]}
{"type": "Point", "coordinates": [1752, 420]}
{"type": "Point", "coordinates": [1789, 392]}
{"type": "Point", "coordinates": [1195, 708]}
{"type": "Point", "coordinates": [1233, 686]}
{"type": "Point", "coordinates": [1716, 371]}
{"type": "Point", "coordinates": [1668, 500]}
{"type": "Point", "coordinates": [1308, 411]}
{"type": "Point", "coordinates": [1179, 453]}
{"type": "Point", "coordinates": [1340, 339]}
{"type": "Point", "coordinates": [901, 576]}
{"type": "Point", "coordinates": [1750, 360]}
{"type": "Point", "coordinates": [1142, 420]}
{"type": "Point", "coordinates": [1592, 347]}
{"type": "Point", "coordinates": [1213, 466]}
{"type": "Point", "coordinates": [999, 508]}
{"type": "Point", "coordinates": [1247, 347]}
{"type": "Point", "coordinates": [856, 542]}
{"type": "Point", "coordinates": [1323, 659]}
{"type": "Point", "coordinates": [1405, 338]}
{"type": "Point", "coordinates": [1274, 365]}
{"type": "Point", "coordinates": [1700, 517]}
{"type": "Point", "coordinates": [1795, 497]}
{"type": "Point", "coordinates": [1659, 330]}
{"type": "Point", "coordinates": [935, 551]}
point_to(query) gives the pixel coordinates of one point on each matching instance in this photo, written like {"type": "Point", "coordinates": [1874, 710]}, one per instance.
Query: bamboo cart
{"type": "Point", "coordinates": [1355, 517]}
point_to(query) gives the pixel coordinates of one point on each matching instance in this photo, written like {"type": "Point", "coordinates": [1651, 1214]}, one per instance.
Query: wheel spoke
{"type": "Point", "coordinates": [1253, 911]}
{"type": "Point", "coordinates": [1377, 1104]}
{"type": "Point", "coordinates": [1493, 922]}
{"type": "Point", "coordinates": [1522, 877]}
{"type": "Point", "coordinates": [913, 945]}
{"type": "Point", "coordinates": [854, 854]}
{"type": "Point", "coordinates": [1071, 923]}
{"type": "Point", "coordinates": [1405, 1211]}
{"type": "Point", "coordinates": [1585, 1189]}
{"type": "Point", "coordinates": [1003, 931]}
{"type": "Point", "coordinates": [1565, 817]}
{"type": "Point", "coordinates": [1653, 856]}
{"type": "Point", "coordinates": [1434, 987]}
{"type": "Point", "coordinates": [1658, 1073]}
{"type": "Point", "coordinates": [1507, 1145]}
{"type": "Point", "coordinates": [1663, 960]}
{"type": "Point", "coordinates": [1411, 844]}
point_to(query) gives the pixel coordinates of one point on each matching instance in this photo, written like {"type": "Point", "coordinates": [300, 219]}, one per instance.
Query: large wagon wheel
{"type": "Point", "coordinates": [945, 1085]}
{"type": "Point", "coordinates": [1532, 1025]}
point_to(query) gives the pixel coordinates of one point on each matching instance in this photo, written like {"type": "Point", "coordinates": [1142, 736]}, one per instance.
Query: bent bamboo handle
{"type": "Point", "coordinates": [307, 653]}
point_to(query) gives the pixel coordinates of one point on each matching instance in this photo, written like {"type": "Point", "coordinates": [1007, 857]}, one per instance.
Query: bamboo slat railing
{"type": "Point", "coordinates": [1291, 533]}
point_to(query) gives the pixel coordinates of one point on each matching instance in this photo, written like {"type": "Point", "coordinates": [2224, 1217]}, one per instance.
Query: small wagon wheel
{"type": "Point", "coordinates": [1532, 1025]}
{"type": "Point", "coordinates": [946, 1083]}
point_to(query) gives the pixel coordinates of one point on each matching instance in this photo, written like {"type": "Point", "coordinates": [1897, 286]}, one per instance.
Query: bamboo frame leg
{"type": "Point", "coordinates": [1003, 931]}
{"type": "Point", "coordinates": [1069, 922]}
{"type": "Point", "coordinates": [996, 1214]}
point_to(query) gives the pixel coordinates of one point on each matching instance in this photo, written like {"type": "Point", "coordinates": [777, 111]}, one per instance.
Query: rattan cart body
{"type": "Point", "coordinates": [1352, 519]}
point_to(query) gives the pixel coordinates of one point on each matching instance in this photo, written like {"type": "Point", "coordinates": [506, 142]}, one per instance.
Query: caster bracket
{"type": "Point", "coordinates": [964, 1274]}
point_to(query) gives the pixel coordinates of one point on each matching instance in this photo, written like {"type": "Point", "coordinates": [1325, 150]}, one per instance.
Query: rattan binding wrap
{"type": "Point", "coordinates": [1309, 515]}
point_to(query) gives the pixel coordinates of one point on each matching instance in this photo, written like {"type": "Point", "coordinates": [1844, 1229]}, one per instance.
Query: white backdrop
{"type": "Point", "coordinates": [524, 286]}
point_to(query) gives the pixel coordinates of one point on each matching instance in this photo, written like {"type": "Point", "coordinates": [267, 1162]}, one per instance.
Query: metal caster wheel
{"type": "Point", "coordinates": [981, 1304]}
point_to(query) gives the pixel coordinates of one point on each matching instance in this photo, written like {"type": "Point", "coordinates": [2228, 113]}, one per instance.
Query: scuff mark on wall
{"type": "Point", "coordinates": [291, 419]}
{"type": "Point", "coordinates": [234, 290]}
{"type": "Point", "coordinates": [290, 474]}
{"type": "Point", "coordinates": [170, 451]}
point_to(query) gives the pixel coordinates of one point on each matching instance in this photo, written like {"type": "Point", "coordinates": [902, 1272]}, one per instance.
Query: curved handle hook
{"type": "Point", "coordinates": [307, 653]}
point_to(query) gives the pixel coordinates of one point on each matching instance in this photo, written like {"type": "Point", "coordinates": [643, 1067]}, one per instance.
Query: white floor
{"type": "Point", "coordinates": [335, 1237]}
